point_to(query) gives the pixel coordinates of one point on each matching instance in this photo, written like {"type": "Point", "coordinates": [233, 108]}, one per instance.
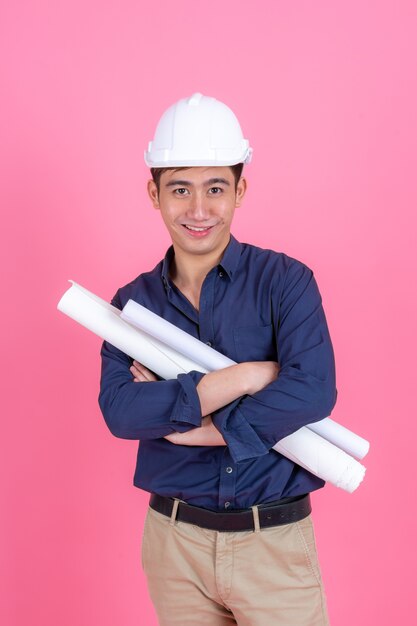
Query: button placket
{"type": "Point", "coordinates": [206, 309]}
{"type": "Point", "coordinates": [227, 486]}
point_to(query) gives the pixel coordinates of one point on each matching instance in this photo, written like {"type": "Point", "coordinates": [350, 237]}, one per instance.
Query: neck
{"type": "Point", "coordinates": [188, 271]}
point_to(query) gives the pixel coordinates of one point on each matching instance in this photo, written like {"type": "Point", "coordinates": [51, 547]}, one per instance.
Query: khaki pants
{"type": "Point", "coordinates": [251, 578]}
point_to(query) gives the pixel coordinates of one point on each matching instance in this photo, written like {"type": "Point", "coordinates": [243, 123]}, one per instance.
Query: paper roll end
{"type": "Point", "coordinates": [367, 446]}
{"type": "Point", "coordinates": [354, 481]}
{"type": "Point", "coordinates": [363, 451]}
{"type": "Point", "coordinates": [60, 305]}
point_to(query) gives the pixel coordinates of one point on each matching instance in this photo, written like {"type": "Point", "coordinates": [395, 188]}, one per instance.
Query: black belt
{"type": "Point", "coordinates": [272, 514]}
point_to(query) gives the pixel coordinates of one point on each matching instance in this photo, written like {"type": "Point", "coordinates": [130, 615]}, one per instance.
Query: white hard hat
{"type": "Point", "coordinates": [198, 131]}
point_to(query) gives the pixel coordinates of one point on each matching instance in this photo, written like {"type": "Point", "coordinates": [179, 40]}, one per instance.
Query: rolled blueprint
{"type": "Point", "coordinates": [199, 352]}
{"type": "Point", "coordinates": [303, 447]}
{"type": "Point", "coordinates": [341, 437]}
{"type": "Point", "coordinates": [322, 459]}
{"type": "Point", "coordinates": [175, 337]}
{"type": "Point", "coordinates": [104, 320]}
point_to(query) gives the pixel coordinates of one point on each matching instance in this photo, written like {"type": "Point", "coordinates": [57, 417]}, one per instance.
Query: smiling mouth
{"type": "Point", "coordinates": [197, 229]}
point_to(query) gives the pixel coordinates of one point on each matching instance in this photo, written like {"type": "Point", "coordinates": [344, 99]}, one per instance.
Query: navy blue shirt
{"type": "Point", "coordinates": [256, 305]}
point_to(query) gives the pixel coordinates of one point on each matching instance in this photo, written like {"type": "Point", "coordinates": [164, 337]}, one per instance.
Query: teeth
{"type": "Point", "coordinates": [196, 229]}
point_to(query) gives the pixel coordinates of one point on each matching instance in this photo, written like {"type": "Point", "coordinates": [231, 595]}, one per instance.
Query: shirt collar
{"type": "Point", "coordinates": [231, 256]}
{"type": "Point", "coordinates": [165, 266]}
{"type": "Point", "coordinates": [229, 261]}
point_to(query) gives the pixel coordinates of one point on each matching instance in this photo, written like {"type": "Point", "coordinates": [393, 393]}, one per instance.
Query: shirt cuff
{"type": "Point", "coordinates": [241, 439]}
{"type": "Point", "coordinates": [187, 408]}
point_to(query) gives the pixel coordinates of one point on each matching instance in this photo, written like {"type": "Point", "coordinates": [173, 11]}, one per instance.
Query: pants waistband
{"type": "Point", "coordinates": [274, 514]}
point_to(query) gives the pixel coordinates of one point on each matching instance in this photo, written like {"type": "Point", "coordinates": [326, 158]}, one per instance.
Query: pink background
{"type": "Point", "coordinates": [326, 92]}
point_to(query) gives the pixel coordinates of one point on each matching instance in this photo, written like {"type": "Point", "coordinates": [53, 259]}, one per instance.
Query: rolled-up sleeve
{"type": "Point", "coordinates": [145, 410]}
{"type": "Point", "coordinates": [305, 389]}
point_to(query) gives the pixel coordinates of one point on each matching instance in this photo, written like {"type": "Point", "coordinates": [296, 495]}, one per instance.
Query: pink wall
{"type": "Point", "coordinates": [326, 92]}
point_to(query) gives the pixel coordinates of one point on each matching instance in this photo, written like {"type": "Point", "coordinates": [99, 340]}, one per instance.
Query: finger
{"type": "Point", "coordinates": [144, 371]}
{"type": "Point", "coordinates": [136, 373]}
{"type": "Point", "coordinates": [143, 376]}
{"type": "Point", "coordinates": [138, 377]}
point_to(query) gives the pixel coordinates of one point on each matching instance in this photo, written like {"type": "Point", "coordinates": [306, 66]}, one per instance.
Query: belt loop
{"type": "Point", "coordinates": [255, 513]}
{"type": "Point", "coordinates": [174, 511]}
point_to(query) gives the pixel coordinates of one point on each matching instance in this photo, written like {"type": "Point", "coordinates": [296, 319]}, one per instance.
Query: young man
{"type": "Point", "coordinates": [228, 536]}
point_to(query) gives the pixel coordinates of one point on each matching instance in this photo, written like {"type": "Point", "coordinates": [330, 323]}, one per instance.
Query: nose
{"type": "Point", "coordinates": [198, 208]}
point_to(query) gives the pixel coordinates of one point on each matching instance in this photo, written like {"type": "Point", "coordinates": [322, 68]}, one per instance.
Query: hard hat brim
{"type": "Point", "coordinates": [217, 162]}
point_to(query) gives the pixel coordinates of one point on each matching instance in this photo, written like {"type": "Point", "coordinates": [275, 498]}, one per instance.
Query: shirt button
{"type": "Point", "coordinates": [226, 505]}
{"type": "Point", "coordinates": [229, 470]}
{"type": "Point", "coordinates": [221, 274]}
{"type": "Point", "coordinates": [208, 343]}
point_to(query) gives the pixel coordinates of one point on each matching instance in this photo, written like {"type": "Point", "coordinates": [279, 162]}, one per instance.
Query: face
{"type": "Point", "coordinates": [197, 205]}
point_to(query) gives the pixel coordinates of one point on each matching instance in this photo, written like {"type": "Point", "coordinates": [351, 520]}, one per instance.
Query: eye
{"type": "Point", "coordinates": [215, 190]}
{"type": "Point", "coordinates": [181, 191]}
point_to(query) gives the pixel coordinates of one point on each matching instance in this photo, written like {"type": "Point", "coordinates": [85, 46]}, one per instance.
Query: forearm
{"type": "Point", "coordinates": [294, 400]}
{"type": "Point", "coordinates": [254, 423]}
{"type": "Point", "coordinates": [145, 410]}
{"type": "Point", "coordinates": [217, 389]}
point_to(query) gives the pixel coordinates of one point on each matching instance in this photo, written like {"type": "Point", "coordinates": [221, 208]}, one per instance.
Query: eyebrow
{"type": "Point", "coordinates": [188, 183]}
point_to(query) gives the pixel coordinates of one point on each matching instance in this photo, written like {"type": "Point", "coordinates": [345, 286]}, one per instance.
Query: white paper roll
{"type": "Point", "coordinates": [199, 352]}
{"type": "Point", "coordinates": [341, 437]}
{"type": "Point", "coordinates": [322, 459]}
{"type": "Point", "coordinates": [104, 320]}
{"type": "Point", "coordinates": [175, 337]}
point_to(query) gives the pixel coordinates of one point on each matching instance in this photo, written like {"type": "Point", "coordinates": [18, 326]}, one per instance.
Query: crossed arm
{"type": "Point", "coordinates": [215, 390]}
{"type": "Point", "coordinates": [248, 406]}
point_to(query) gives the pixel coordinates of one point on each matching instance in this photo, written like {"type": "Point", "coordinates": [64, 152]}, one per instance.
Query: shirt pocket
{"type": "Point", "coordinates": [255, 343]}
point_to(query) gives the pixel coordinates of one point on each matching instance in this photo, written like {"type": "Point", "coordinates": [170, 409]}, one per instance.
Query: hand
{"type": "Point", "coordinates": [205, 435]}
{"type": "Point", "coordinates": [141, 374]}
{"type": "Point", "coordinates": [259, 374]}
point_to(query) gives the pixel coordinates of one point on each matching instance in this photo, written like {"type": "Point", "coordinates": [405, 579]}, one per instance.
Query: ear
{"type": "Point", "coordinates": [240, 190]}
{"type": "Point", "coordinates": [153, 193]}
